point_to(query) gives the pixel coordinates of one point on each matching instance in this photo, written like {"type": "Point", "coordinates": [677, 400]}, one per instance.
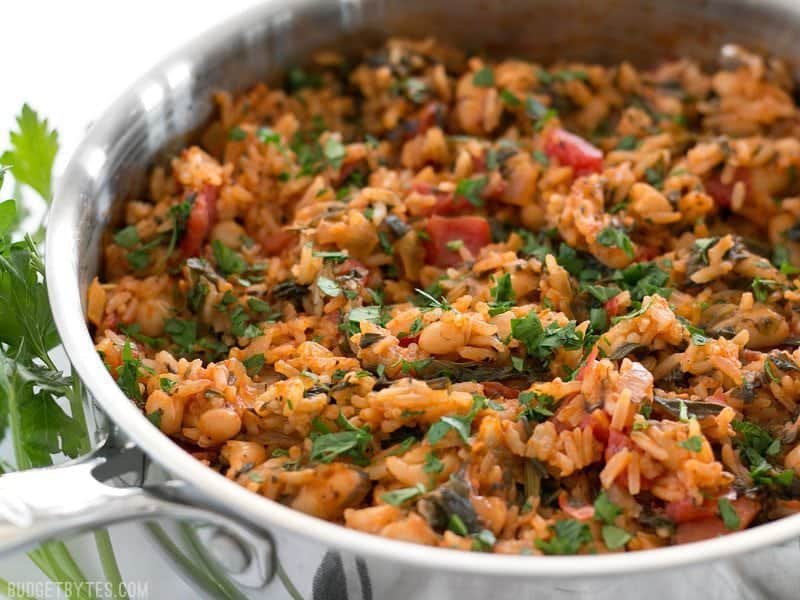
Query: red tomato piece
{"type": "Point", "coordinates": [275, 242]}
{"type": "Point", "coordinates": [201, 219]}
{"type": "Point", "coordinates": [447, 203]}
{"type": "Point", "coordinates": [711, 527]}
{"type": "Point", "coordinates": [574, 151]}
{"type": "Point", "coordinates": [616, 442]}
{"type": "Point", "coordinates": [612, 306]}
{"type": "Point", "coordinates": [581, 513]}
{"type": "Point", "coordinates": [683, 511]}
{"type": "Point", "coordinates": [407, 341]}
{"type": "Point", "coordinates": [722, 192]}
{"type": "Point", "coordinates": [472, 231]}
{"type": "Point", "coordinates": [590, 360]}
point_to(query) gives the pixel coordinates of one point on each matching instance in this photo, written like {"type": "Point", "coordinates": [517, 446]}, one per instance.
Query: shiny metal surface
{"type": "Point", "coordinates": [46, 504]}
{"type": "Point", "coordinates": [158, 112]}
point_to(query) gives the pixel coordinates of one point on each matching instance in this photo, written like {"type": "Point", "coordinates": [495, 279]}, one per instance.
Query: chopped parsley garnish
{"type": "Point", "coordinates": [762, 288]}
{"type": "Point", "coordinates": [615, 537]}
{"type": "Point", "coordinates": [328, 286]}
{"type": "Point", "coordinates": [127, 237]}
{"type": "Point", "coordinates": [460, 423]}
{"type": "Point", "coordinates": [537, 407]}
{"type": "Point", "coordinates": [627, 142]}
{"type": "Point", "coordinates": [509, 98]}
{"type": "Point", "coordinates": [470, 189]}
{"type": "Point", "coordinates": [542, 342]}
{"type": "Point", "coordinates": [605, 510]}
{"type": "Point", "coordinates": [182, 332]}
{"type": "Point", "coordinates": [228, 261]}
{"type": "Point", "coordinates": [502, 295]}
{"type": "Point", "coordinates": [237, 134]}
{"type": "Point", "coordinates": [352, 442]}
{"type": "Point", "coordinates": [155, 417]}
{"type": "Point", "coordinates": [484, 77]}
{"type": "Point", "coordinates": [730, 517]}
{"type": "Point", "coordinates": [692, 444]}
{"type": "Point", "coordinates": [614, 237]}
{"type": "Point", "coordinates": [334, 152]}
{"type": "Point", "coordinates": [254, 364]}
{"type": "Point", "coordinates": [432, 464]}
{"type": "Point", "coordinates": [128, 374]}
{"type": "Point", "coordinates": [167, 385]}
{"type": "Point", "coordinates": [568, 537]}
{"type": "Point", "coordinates": [403, 495]}
{"type": "Point", "coordinates": [455, 245]}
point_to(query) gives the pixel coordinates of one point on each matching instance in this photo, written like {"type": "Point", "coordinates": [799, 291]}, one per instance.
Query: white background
{"type": "Point", "coordinates": [69, 60]}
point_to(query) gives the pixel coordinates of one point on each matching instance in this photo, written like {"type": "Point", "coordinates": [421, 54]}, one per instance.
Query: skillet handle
{"type": "Point", "coordinates": [45, 504]}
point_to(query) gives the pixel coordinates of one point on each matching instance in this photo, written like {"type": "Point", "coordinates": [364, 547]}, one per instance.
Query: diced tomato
{"type": "Point", "coordinates": [644, 252]}
{"type": "Point", "coordinates": [683, 511]}
{"type": "Point", "coordinates": [711, 527]}
{"type": "Point", "coordinates": [590, 360]}
{"type": "Point", "coordinates": [275, 242]}
{"type": "Point", "coordinates": [616, 442]}
{"type": "Point", "coordinates": [473, 231]}
{"type": "Point", "coordinates": [407, 341]}
{"type": "Point", "coordinates": [751, 355]}
{"type": "Point", "coordinates": [581, 513]}
{"type": "Point", "coordinates": [448, 203]}
{"type": "Point", "coordinates": [495, 389]}
{"type": "Point", "coordinates": [722, 192]}
{"type": "Point", "coordinates": [570, 150]}
{"type": "Point", "coordinates": [201, 219]}
{"type": "Point", "coordinates": [612, 306]}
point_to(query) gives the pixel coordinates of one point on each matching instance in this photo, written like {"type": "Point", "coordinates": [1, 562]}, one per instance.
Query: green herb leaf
{"type": "Point", "coordinates": [615, 537]}
{"type": "Point", "coordinates": [228, 261]}
{"type": "Point", "coordinates": [503, 295]}
{"type": "Point", "coordinates": [470, 189]}
{"type": "Point", "coordinates": [352, 441]}
{"type": "Point", "coordinates": [692, 444]}
{"type": "Point", "coordinates": [328, 286]}
{"type": "Point", "coordinates": [728, 514]}
{"type": "Point", "coordinates": [613, 237]}
{"type": "Point", "coordinates": [403, 495]}
{"type": "Point", "coordinates": [605, 510]}
{"type": "Point", "coordinates": [34, 148]}
{"type": "Point", "coordinates": [484, 77]}
{"type": "Point", "coordinates": [335, 152]}
{"type": "Point", "coordinates": [568, 537]}
{"type": "Point", "coordinates": [254, 364]}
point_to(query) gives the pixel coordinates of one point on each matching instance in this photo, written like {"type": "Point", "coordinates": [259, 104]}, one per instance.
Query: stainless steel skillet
{"type": "Point", "coordinates": [158, 113]}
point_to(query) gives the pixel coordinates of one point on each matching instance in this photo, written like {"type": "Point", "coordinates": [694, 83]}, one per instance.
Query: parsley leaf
{"type": "Point", "coordinates": [484, 77]}
{"type": "Point", "coordinates": [615, 537]}
{"type": "Point", "coordinates": [502, 294]}
{"type": "Point", "coordinates": [692, 444]}
{"type": "Point", "coordinates": [611, 236]}
{"type": "Point", "coordinates": [470, 189]}
{"type": "Point", "coordinates": [568, 537]}
{"type": "Point", "coordinates": [403, 495]}
{"type": "Point", "coordinates": [34, 148]}
{"type": "Point", "coordinates": [328, 286]}
{"type": "Point", "coordinates": [728, 514]}
{"type": "Point", "coordinates": [605, 510]}
{"type": "Point", "coordinates": [351, 441]}
{"type": "Point", "coordinates": [542, 342]}
{"type": "Point", "coordinates": [228, 261]}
